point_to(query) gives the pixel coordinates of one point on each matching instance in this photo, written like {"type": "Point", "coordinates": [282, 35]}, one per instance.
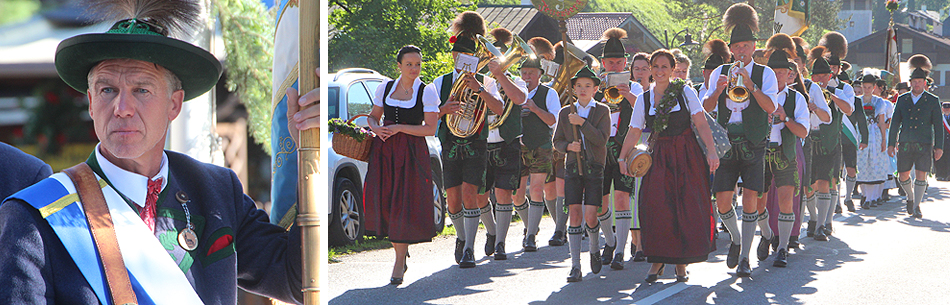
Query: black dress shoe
{"type": "Point", "coordinates": [682, 278]}
{"type": "Point", "coordinates": [557, 240]}
{"type": "Point", "coordinates": [500, 254]}
{"type": "Point", "coordinates": [828, 229]}
{"type": "Point", "coordinates": [781, 258]}
{"type": "Point", "coordinates": [838, 208]}
{"type": "Point", "coordinates": [575, 275]}
{"type": "Point", "coordinates": [744, 269]}
{"type": "Point", "coordinates": [639, 256]}
{"type": "Point", "coordinates": [909, 207]}
{"type": "Point", "coordinates": [468, 259]}
{"type": "Point", "coordinates": [595, 263]}
{"type": "Point", "coordinates": [459, 246]}
{"type": "Point", "coordinates": [793, 242]}
{"type": "Point", "coordinates": [651, 278]}
{"type": "Point", "coordinates": [395, 281]}
{"type": "Point", "coordinates": [608, 254]}
{"type": "Point", "coordinates": [811, 228]}
{"type": "Point", "coordinates": [762, 252]}
{"type": "Point", "coordinates": [732, 259]}
{"type": "Point", "coordinates": [489, 244]}
{"type": "Point", "coordinates": [529, 244]}
{"type": "Point", "coordinates": [917, 213]}
{"type": "Point", "coordinates": [774, 242]}
{"type": "Point", "coordinates": [820, 234]}
{"type": "Point", "coordinates": [865, 204]}
{"type": "Point", "coordinates": [850, 204]}
{"type": "Point", "coordinates": [617, 263]}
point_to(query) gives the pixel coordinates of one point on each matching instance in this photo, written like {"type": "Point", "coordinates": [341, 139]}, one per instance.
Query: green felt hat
{"type": "Point", "coordinates": [843, 76]}
{"type": "Point", "coordinates": [142, 40]}
{"type": "Point", "coordinates": [713, 62]}
{"type": "Point", "coordinates": [820, 66]}
{"type": "Point", "coordinates": [613, 48]}
{"type": "Point", "coordinates": [462, 44]}
{"type": "Point", "coordinates": [919, 73]}
{"type": "Point", "coordinates": [779, 60]}
{"type": "Point", "coordinates": [532, 62]}
{"type": "Point", "coordinates": [741, 33]}
{"type": "Point", "coordinates": [588, 73]}
{"type": "Point", "coordinates": [834, 60]}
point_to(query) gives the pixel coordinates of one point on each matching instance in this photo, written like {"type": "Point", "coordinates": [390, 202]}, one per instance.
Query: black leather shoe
{"type": "Point", "coordinates": [639, 256]}
{"type": "Point", "coordinates": [744, 270]}
{"type": "Point", "coordinates": [838, 209]}
{"type": "Point", "coordinates": [811, 228]}
{"type": "Point", "coordinates": [459, 245]}
{"type": "Point", "coordinates": [595, 262]}
{"type": "Point", "coordinates": [909, 207]}
{"type": "Point", "coordinates": [732, 259]}
{"type": "Point", "coordinates": [468, 259]}
{"type": "Point", "coordinates": [617, 263]}
{"type": "Point", "coordinates": [607, 256]}
{"type": "Point", "coordinates": [489, 244]}
{"type": "Point", "coordinates": [781, 258]}
{"type": "Point", "coordinates": [865, 204]}
{"type": "Point", "coordinates": [820, 234]}
{"type": "Point", "coordinates": [558, 239]}
{"type": "Point", "coordinates": [828, 229]}
{"type": "Point", "coordinates": [575, 275]}
{"type": "Point", "coordinates": [762, 251]}
{"type": "Point", "coordinates": [850, 204]}
{"type": "Point", "coordinates": [651, 278]}
{"type": "Point", "coordinates": [793, 242]}
{"type": "Point", "coordinates": [395, 281]}
{"type": "Point", "coordinates": [529, 244]}
{"type": "Point", "coordinates": [774, 242]}
{"type": "Point", "coordinates": [917, 213]}
{"type": "Point", "coordinates": [682, 278]}
{"type": "Point", "coordinates": [500, 254]}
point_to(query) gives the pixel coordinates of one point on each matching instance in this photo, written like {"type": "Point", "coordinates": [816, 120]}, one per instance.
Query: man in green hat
{"type": "Point", "coordinates": [614, 59]}
{"type": "Point", "coordinates": [583, 128]}
{"type": "Point", "coordinates": [748, 127]}
{"type": "Point", "coordinates": [538, 117]}
{"type": "Point", "coordinates": [837, 46]}
{"type": "Point", "coordinates": [917, 130]}
{"type": "Point", "coordinates": [166, 229]}
{"type": "Point", "coordinates": [464, 159]}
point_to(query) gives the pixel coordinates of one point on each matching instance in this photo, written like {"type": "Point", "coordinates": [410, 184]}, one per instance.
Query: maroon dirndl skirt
{"type": "Point", "coordinates": [676, 217]}
{"type": "Point", "coordinates": [398, 200]}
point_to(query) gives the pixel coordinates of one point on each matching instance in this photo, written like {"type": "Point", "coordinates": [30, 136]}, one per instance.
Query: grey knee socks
{"type": "Point", "coordinates": [607, 227]}
{"type": "Point", "coordinates": [729, 219]}
{"type": "Point", "coordinates": [811, 203]}
{"type": "Point", "coordinates": [920, 189]}
{"type": "Point", "coordinates": [594, 241]}
{"type": "Point", "coordinates": [831, 208]}
{"type": "Point", "coordinates": [905, 185]}
{"type": "Point", "coordinates": [458, 224]}
{"type": "Point", "coordinates": [561, 219]}
{"type": "Point", "coordinates": [574, 235]}
{"type": "Point", "coordinates": [623, 228]}
{"type": "Point", "coordinates": [503, 217]}
{"type": "Point", "coordinates": [748, 232]}
{"type": "Point", "coordinates": [471, 226]}
{"type": "Point", "coordinates": [824, 206]}
{"type": "Point", "coordinates": [763, 220]}
{"type": "Point", "coordinates": [785, 223]}
{"type": "Point", "coordinates": [535, 211]}
{"type": "Point", "coordinates": [488, 219]}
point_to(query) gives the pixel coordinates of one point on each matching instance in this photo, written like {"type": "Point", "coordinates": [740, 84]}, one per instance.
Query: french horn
{"type": "Point", "coordinates": [574, 60]}
{"type": "Point", "coordinates": [469, 119]}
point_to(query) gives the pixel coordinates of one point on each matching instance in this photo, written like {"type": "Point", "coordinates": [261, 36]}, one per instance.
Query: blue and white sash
{"type": "Point", "coordinates": [156, 279]}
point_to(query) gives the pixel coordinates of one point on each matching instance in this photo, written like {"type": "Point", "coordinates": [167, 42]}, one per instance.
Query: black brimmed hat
{"type": "Point", "coordinates": [779, 60]}
{"type": "Point", "coordinates": [137, 39]}
{"type": "Point", "coordinates": [532, 62]}
{"type": "Point", "coordinates": [588, 73]}
{"type": "Point", "coordinates": [820, 66]}
{"type": "Point", "coordinates": [920, 73]}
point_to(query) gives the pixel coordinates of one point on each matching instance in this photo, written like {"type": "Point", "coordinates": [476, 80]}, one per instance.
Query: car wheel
{"type": "Point", "coordinates": [346, 225]}
{"type": "Point", "coordinates": [438, 200]}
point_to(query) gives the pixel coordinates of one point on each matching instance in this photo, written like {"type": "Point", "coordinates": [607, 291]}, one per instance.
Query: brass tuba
{"type": "Point", "coordinates": [468, 120]}
{"type": "Point", "coordinates": [519, 50]}
{"type": "Point", "coordinates": [574, 60]}
{"type": "Point", "coordinates": [737, 91]}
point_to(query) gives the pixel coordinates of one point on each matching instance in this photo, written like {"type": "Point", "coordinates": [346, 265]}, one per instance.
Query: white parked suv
{"type": "Point", "coordinates": [350, 93]}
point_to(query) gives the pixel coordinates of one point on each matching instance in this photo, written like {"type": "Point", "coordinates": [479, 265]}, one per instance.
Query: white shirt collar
{"type": "Point", "coordinates": [915, 98]}
{"type": "Point", "coordinates": [589, 105]}
{"type": "Point", "coordinates": [415, 85]}
{"type": "Point", "coordinates": [132, 185]}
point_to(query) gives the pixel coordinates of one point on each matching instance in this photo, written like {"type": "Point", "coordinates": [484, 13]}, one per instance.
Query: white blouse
{"type": "Point", "coordinates": [638, 119]}
{"type": "Point", "coordinates": [430, 98]}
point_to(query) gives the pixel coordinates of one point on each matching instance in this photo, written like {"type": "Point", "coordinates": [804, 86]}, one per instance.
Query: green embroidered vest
{"type": "Point", "coordinates": [755, 121]}
{"type": "Point", "coordinates": [536, 132]}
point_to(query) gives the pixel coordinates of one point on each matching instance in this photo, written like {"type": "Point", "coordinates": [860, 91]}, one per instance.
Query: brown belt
{"type": "Point", "coordinates": [103, 233]}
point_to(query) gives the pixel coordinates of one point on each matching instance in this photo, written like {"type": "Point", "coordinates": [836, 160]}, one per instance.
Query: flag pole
{"type": "Point", "coordinates": [308, 157]}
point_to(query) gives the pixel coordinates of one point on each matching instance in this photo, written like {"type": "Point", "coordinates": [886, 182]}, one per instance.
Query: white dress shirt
{"type": "Point", "coordinates": [638, 119]}
{"type": "Point", "coordinates": [818, 98]}
{"type": "Point", "coordinates": [131, 185]}
{"type": "Point", "coordinates": [494, 136]}
{"type": "Point", "coordinates": [801, 114]}
{"type": "Point", "coordinates": [552, 101]}
{"type": "Point", "coordinates": [430, 97]}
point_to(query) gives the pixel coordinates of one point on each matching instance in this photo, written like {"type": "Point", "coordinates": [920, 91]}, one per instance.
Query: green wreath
{"type": "Point", "coordinates": [665, 106]}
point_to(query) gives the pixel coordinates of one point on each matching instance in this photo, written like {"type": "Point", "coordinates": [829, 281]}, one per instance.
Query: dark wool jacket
{"type": "Point", "coordinates": [19, 170]}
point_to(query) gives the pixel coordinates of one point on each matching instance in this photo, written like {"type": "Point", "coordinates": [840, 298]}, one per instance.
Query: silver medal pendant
{"type": "Point", "coordinates": [187, 239]}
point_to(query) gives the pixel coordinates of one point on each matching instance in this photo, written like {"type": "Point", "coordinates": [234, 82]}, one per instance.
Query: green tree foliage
{"type": "Point", "coordinates": [248, 31]}
{"type": "Point", "coordinates": [367, 34]}
{"type": "Point", "coordinates": [17, 10]}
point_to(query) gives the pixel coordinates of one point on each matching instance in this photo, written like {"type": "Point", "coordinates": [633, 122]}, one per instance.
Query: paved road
{"type": "Point", "coordinates": [878, 256]}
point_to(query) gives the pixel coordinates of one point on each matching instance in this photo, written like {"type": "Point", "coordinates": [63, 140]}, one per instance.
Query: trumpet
{"type": "Point", "coordinates": [737, 91]}
{"type": "Point", "coordinates": [468, 120]}
{"type": "Point", "coordinates": [612, 94]}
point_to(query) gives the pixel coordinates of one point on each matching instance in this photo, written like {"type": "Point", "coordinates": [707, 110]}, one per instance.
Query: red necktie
{"type": "Point", "coordinates": [148, 212]}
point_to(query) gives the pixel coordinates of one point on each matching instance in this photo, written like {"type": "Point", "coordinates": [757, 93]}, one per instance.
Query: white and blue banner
{"type": "Point", "coordinates": [284, 150]}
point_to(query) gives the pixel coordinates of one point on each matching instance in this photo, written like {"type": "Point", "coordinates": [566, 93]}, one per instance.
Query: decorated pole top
{"type": "Point", "coordinates": [559, 9]}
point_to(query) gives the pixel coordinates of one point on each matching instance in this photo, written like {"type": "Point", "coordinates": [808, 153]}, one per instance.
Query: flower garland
{"type": "Point", "coordinates": [891, 5]}
{"type": "Point", "coordinates": [664, 107]}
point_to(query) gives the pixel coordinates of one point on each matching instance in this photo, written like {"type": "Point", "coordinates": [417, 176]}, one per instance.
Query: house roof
{"type": "Point", "coordinates": [512, 17]}
{"type": "Point", "coordinates": [590, 26]}
{"type": "Point", "coordinates": [932, 15]}
{"type": "Point", "coordinates": [903, 29]}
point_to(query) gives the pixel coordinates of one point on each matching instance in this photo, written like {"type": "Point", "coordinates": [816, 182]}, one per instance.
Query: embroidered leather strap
{"type": "Point", "coordinates": [103, 233]}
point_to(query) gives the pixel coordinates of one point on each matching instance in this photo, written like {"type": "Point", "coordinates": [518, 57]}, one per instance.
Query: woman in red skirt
{"type": "Point", "coordinates": [676, 216]}
{"type": "Point", "coordinates": [398, 189]}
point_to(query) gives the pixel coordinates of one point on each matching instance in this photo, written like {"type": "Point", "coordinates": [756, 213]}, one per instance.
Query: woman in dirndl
{"type": "Point", "coordinates": [873, 162]}
{"type": "Point", "coordinates": [677, 227]}
{"type": "Point", "coordinates": [398, 189]}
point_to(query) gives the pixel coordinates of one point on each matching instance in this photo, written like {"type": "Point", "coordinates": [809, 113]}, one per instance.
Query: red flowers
{"type": "Point", "coordinates": [453, 39]}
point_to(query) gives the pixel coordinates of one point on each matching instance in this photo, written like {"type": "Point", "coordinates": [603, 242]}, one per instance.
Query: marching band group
{"type": "Point", "coordinates": [565, 135]}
